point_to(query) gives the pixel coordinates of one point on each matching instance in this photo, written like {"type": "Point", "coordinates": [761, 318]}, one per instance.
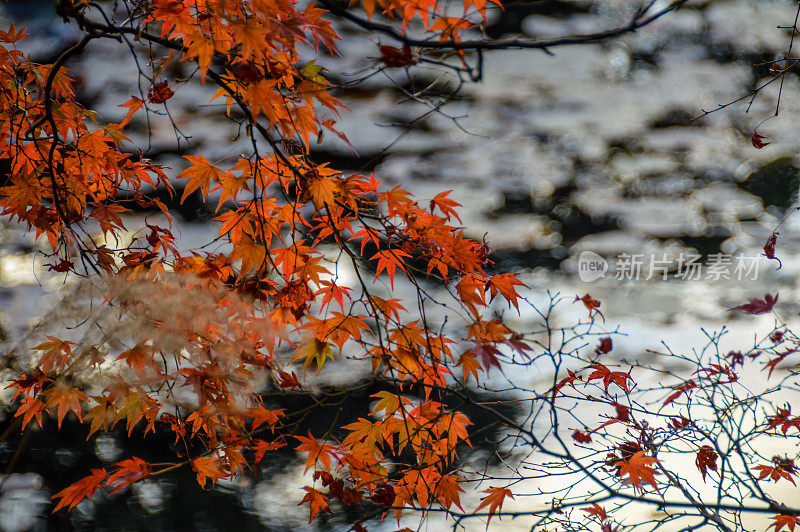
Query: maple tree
{"type": "Point", "coordinates": [204, 344]}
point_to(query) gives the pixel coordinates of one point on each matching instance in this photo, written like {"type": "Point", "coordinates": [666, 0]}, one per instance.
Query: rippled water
{"type": "Point", "coordinates": [591, 149]}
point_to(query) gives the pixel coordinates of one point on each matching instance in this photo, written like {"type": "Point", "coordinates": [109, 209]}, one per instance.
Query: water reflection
{"type": "Point", "coordinates": [23, 502]}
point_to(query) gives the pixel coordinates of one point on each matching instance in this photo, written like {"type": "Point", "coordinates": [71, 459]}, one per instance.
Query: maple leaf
{"type": "Point", "coordinates": [619, 378]}
{"type": "Point", "coordinates": [638, 469]}
{"type": "Point", "coordinates": [101, 415]}
{"type": "Point", "coordinates": [788, 521]}
{"type": "Point", "coordinates": [13, 35]}
{"type": "Point", "coordinates": [388, 402]}
{"type": "Point", "coordinates": [757, 306]}
{"type": "Point", "coordinates": [504, 283]}
{"type": "Point", "coordinates": [261, 415]}
{"type": "Point", "coordinates": [469, 365]}
{"type": "Point", "coordinates": [450, 27]}
{"type": "Point", "coordinates": [447, 491]}
{"type": "Point", "coordinates": [139, 357]}
{"type": "Point", "coordinates": [494, 501]}
{"type": "Point", "coordinates": [569, 380]}
{"type": "Point", "coordinates": [261, 447]}
{"type": "Point", "coordinates": [207, 467]}
{"type": "Point", "coordinates": [128, 472]}
{"type": "Point", "coordinates": [61, 266]}
{"type": "Point", "coordinates": [581, 437]}
{"type": "Point", "coordinates": [783, 470]}
{"type": "Point", "coordinates": [772, 364]}
{"type": "Point", "coordinates": [605, 346]}
{"type": "Point", "coordinates": [680, 390]}
{"type": "Point", "coordinates": [159, 92]}
{"type": "Point", "coordinates": [488, 355]}
{"type": "Point", "coordinates": [591, 304]}
{"type": "Point", "coordinates": [596, 510]}
{"type": "Point", "coordinates": [316, 351]}
{"type": "Point", "coordinates": [29, 409]}
{"type": "Point", "coordinates": [317, 452]}
{"type": "Point", "coordinates": [65, 398]}
{"type": "Point", "coordinates": [758, 140]}
{"type": "Point", "coordinates": [769, 249]}
{"type": "Point", "coordinates": [56, 353]}
{"type": "Point", "coordinates": [471, 292]}
{"type": "Point", "coordinates": [132, 105]}
{"type": "Point", "coordinates": [446, 205]}
{"type": "Point", "coordinates": [393, 57]}
{"type": "Point", "coordinates": [200, 174]}
{"type": "Point", "coordinates": [782, 418]}
{"type": "Point", "coordinates": [316, 501]}
{"type": "Point", "coordinates": [389, 260]}
{"type": "Point", "coordinates": [623, 412]}
{"type": "Point", "coordinates": [289, 381]}
{"type": "Point", "coordinates": [75, 493]}
{"type": "Point", "coordinates": [706, 459]}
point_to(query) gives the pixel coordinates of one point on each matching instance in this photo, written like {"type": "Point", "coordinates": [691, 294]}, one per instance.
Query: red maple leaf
{"type": "Point", "coordinates": [769, 249]}
{"type": "Point", "coordinates": [605, 346]}
{"type": "Point", "coordinates": [596, 509]}
{"type": "Point", "coordinates": [784, 469]}
{"type": "Point", "coordinates": [159, 92]}
{"type": "Point", "coordinates": [757, 306]}
{"type": "Point", "coordinates": [591, 304]}
{"type": "Point", "coordinates": [62, 266]}
{"type": "Point", "coordinates": [317, 502]}
{"type": "Point", "coordinates": [488, 354]}
{"type": "Point", "coordinates": [680, 390]}
{"type": "Point", "coordinates": [128, 472]}
{"type": "Point", "coordinates": [620, 378]}
{"type": "Point", "coordinates": [394, 57]}
{"type": "Point", "coordinates": [581, 437]}
{"type": "Point", "coordinates": [788, 521]}
{"type": "Point", "coordinates": [782, 418]}
{"type": "Point", "coordinates": [706, 459]}
{"type": "Point", "coordinates": [772, 364]}
{"type": "Point", "coordinates": [758, 140]}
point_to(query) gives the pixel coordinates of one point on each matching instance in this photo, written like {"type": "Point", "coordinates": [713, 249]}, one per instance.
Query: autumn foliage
{"type": "Point", "coordinates": [194, 342]}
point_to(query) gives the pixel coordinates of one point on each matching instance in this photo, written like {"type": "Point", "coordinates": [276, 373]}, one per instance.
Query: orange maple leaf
{"type": "Point", "coordinates": [389, 260]}
{"type": "Point", "coordinates": [638, 470]}
{"type": "Point", "coordinates": [75, 493]}
{"type": "Point", "coordinates": [200, 175]}
{"type": "Point", "coordinates": [317, 452]}
{"type": "Point", "coordinates": [788, 521]}
{"type": "Point", "coordinates": [128, 472]}
{"type": "Point", "coordinates": [316, 500]}
{"type": "Point", "coordinates": [494, 501]}
{"type": "Point", "coordinates": [207, 467]}
{"type": "Point", "coordinates": [504, 283]}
